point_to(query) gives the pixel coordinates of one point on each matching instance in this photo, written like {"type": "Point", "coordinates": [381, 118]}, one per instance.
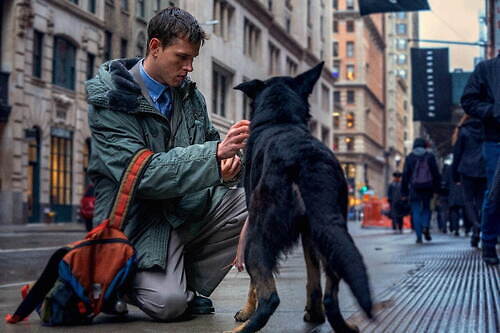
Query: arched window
{"type": "Point", "coordinates": [64, 63]}
{"type": "Point", "coordinates": [140, 44]}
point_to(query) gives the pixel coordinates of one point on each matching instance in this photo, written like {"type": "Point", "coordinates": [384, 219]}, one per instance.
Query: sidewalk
{"type": "Point", "coordinates": [44, 227]}
{"type": "Point", "coordinates": [441, 286]}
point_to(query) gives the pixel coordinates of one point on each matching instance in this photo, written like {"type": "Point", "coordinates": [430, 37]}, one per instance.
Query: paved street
{"type": "Point", "coordinates": [438, 287]}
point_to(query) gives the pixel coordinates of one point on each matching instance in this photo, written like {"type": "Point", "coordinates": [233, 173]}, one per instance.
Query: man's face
{"type": "Point", "coordinates": [174, 62]}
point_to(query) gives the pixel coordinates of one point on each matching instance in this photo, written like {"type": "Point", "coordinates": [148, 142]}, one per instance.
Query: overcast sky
{"type": "Point", "coordinates": [455, 20]}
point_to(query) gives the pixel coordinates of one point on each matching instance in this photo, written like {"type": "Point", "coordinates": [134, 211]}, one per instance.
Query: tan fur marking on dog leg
{"type": "Point", "coordinates": [249, 307]}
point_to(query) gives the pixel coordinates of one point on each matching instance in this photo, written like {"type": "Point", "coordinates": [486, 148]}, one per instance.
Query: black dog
{"type": "Point", "coordinates": [295, 187]}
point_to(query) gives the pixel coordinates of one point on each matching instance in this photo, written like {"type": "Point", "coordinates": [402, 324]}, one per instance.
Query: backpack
{"type": "Point", "coordinates": [421, 178]}
{"type": "Point", "coordinates": [83, 277]}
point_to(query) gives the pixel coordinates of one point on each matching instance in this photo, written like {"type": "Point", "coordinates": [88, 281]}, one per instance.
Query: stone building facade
{"type": "Point", "coordinates": [359, 62]}
{"type": "Point", "coordinates": [49, 48]}
{"type": "Point", "coordinates": [400, 28]}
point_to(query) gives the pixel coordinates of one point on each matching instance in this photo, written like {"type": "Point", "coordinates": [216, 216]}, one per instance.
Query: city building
{"type": "Point", "coordinates": [359, 46]}
{"type": "Point", "coordinates": [49, 48]}
{"type": "Point", "coordinates": [401, 31]}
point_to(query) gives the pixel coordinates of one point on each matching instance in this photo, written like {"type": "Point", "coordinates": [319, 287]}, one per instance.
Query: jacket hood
{"type": "Point", "coordinates": [419, 151]}
{"type": "Point", "coordinates": [114, 87]}
{"type": "Point", "coordinates": [473, 126]}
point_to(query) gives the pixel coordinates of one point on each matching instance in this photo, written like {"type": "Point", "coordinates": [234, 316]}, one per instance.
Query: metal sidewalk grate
{"type": "Point", "coordinates": [451, 290]}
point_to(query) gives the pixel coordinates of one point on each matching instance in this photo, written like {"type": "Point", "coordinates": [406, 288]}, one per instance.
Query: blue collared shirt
{"type": "Point", "coordinates": [156, 90]}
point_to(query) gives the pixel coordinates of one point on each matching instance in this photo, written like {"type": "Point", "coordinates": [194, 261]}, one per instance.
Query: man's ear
{"type": "Point", "coordinates": [251, 88]}
{"type": "Point", "coordinates": [306, 81]}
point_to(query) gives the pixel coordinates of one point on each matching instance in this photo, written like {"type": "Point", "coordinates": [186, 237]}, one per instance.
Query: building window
{"type": "Point", "coordinates": [325, 98]}
{"type": "Point", "coordinates": [291, 67]}
{"type": "Point", "coordinates": [336, 120]}
{"type": "Point", "coordinates": [401, 15]}
{"type": "Point", "coordinates": [402, 59]}
{"type": "Point", "coordinates": [247, 104]}
{"type": "Point", "coordinates": [335, 4]}
{"type": "Point", "coordinates": [335, 49]}
{"type": "Point", "coordinates": [309, 18]}
{"type": "Point", "coordinates": [336, 96]}
{"type": "Point", "coordinates": [336, 68]}
{"type": "Point", "coordinates": [222, 12]}
{"type": "Point", "coordinates": [64, 62]}
{"type": "Point", "coordinates": [91, 6]}
{"type": "Point", "coordinates": [221, 83]}
{"type": "Point", "coordinates": [141, 8]}
{"type": "Point", "coordinates": [288, 24]}
{"type": "Point", "coordinates": [335, 143]}
{"type": "Point", "coordinates": [124, 5]}
{"type": "Point", "coordinates": [274, 60]}
{"type": "Point", "coordinates": [351, 97]}
{"type": "Point", "coordinates": [349, 4]}
{"type": "Point", "coordinates": [158, 5]}
{"type": "Point", "coordinates": [251, 40]}
{"type": "Point", "coordinates": [123, 47]}
{"type": "Point", "coordinates": [309, 43]}
{"type": "Point", "coordinates": [402, 73]}
{"type": "Point", "coordinates": [349, 50]}
{"type": "Point", "coordinates": [85, 161]}
{"type": "Point", "coordinates": [37, 53]}
{"type": "Point", "coordinates": [350, 74]}
{"type": "Point", "coordinates": [322, 27]}
{"type": "Point", "coordinates": [325, 135]}
{"type": "Point", "coordinates": [140, 44]}
{"type": "Point", "coordinates": [90, 66]}
{"type": "Point", "coordinates": [108, 43]}
{"type": "Point", "coordinates": [61, 151]}
{"type": "Point", "coordinates": [350, 120]}
{"type": "Point", "coordinates": [335, 26]}
{"type": "Point", "coordinates": [270, 5]}
{"type": "Point", "coordinates": [313, 126]}
{"type": "Point", "coordinates": [33, 173]}
{"type": "Point", "coordinates": [349, 142]}
{"type": "Point", "coordinates": [401, 28]}
{"type": "Point", "coordinates": [74, 1]}
{"type": "Point", "coordinates": [349, 26]}
{"type": "Point", "coordinates": [402, 44]}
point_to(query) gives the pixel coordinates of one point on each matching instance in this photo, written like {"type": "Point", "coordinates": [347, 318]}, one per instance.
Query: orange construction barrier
{"type": "Point", "coordinates": [373, 217]}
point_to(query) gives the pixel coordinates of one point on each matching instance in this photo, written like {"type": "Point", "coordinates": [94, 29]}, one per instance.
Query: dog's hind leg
{"type": "Point", "coordinates": [314, 308]}
{"type": "Point", "coordinates": [265, 287]}
{"type": "Point", "coordinates": [249, 307]}
{"type": "Point", "coordinates": [331, 303]}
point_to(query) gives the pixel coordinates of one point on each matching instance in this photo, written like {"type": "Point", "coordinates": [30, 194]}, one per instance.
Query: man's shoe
{"type": "Point", "coordinates": [200, 305]}
{"type": "Point", "coordinates": [490, 255]}
{"type": "Point", "coordinates": [418, 241]}
{"type": "Point", "coordinates": [474, 241]}
{"type": "Point", "coordinates": [427, 234]}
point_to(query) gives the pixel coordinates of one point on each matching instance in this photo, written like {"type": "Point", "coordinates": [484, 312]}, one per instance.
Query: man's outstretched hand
{"type": "Point", "coordinates": [230, 168]}
{"type": "Point", "coordinates": [234, 140]}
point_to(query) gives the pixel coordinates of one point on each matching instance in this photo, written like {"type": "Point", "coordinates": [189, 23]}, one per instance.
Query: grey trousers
{"type": "Point", "coordinates": [197, 264]}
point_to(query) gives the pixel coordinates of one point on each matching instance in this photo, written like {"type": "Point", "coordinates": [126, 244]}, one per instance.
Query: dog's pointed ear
{"type": "Point", "coordinates": [307, 80]}
{"type": "Point", "coordinates": [251, 88]}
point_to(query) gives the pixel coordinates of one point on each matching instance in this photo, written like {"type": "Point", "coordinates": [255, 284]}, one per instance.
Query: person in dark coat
{"type": "Point", "coordinates": [456, 202]}
{"type": "Point", "coordinates": [397, 209]}
{"type": "Point", "coordinates": [421, 179]}
{"type": "Point", "coordinates": [468, 169]}
{"type": "Point", "coordinates": [481, 99]}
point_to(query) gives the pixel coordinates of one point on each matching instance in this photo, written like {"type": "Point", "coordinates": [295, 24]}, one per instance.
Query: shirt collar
{"type": "Point", "coordinates": [155, 88]}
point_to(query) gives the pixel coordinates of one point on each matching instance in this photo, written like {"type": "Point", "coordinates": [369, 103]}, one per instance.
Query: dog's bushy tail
{"type": "Point", "coordinates": [325, 208]}
{"type": "Point", "coordinates": [341, 255]}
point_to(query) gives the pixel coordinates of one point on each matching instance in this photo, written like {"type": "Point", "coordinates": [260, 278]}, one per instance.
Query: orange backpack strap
{"type": "Point", "coordinates": [130, 179]}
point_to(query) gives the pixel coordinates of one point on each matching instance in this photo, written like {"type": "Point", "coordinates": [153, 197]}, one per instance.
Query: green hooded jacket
{"type": "Point", "coordinates": [182, 181]}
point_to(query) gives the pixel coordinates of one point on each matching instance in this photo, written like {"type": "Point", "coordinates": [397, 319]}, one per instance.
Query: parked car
{"type": "Point", "coordinates": [87, 205]}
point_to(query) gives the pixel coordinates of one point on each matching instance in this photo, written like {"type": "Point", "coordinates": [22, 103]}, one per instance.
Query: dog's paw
{"type": "Point", "coordinates": [317, 317]}
{"type": "Point", "coordinates": [242, 315]}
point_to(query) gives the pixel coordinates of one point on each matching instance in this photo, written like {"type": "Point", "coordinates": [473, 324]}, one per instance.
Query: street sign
{"type": "Point", "coordinates": [431, 84]}
{"type": "Point", "coordinates": [367, 7]}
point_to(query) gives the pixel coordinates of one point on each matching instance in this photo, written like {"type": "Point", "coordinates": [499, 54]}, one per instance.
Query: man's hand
{"type": "Point", "coordinates": [234, 140]}
{"type": "Point", "coordinates": [230, 168]}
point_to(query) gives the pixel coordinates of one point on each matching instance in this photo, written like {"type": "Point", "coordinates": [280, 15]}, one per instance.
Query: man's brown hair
{"type": "Point", "coordinates": [171, 23]}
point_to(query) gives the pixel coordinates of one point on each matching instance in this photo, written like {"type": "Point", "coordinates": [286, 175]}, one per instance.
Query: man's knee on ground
{"type": "Point", "coordinates": [164, 307]}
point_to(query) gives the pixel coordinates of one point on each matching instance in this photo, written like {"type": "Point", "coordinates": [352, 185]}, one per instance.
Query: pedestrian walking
{"type": "Point", "coordinates": [468, 169]}
{"type": "Point", "coordinates": [186, 220]}
{"type": "Point", "coordinates": [396, 203]}
{"type": "Point", "coordinates": [421, 179]}
{"type": "Point", "coordinates": [481, 100]}
{"type": "Point", "coordinates": [456, 202]}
